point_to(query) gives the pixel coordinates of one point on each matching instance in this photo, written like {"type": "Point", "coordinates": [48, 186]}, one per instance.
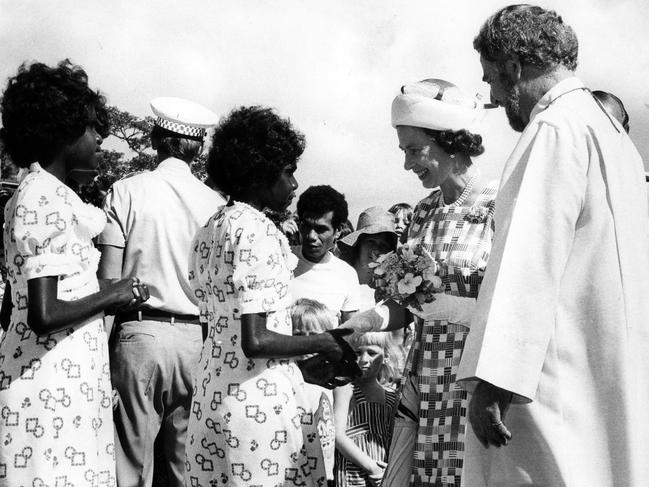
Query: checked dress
{"type": "Point", "coordinates": [250, 421]}
{"type": "Point", "coordinates": [460, 236]}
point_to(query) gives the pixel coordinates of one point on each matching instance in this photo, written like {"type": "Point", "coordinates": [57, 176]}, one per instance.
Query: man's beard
{"type": "Point", "coordinates": [513, 111]}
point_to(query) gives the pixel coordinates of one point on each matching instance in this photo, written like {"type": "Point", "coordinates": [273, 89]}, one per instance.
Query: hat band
{"type": "Point", "coordinates": [181, 128]}
{"type": "Point", "coordinates": [421, 111]}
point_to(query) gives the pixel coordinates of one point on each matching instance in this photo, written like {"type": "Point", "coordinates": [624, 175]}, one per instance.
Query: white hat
{"type": "Point", "coordinates": [438, 105]}
{"type": "Point", "coordinates": [183, 117]}
{"type": "Point", "coordinates": [371, 221]}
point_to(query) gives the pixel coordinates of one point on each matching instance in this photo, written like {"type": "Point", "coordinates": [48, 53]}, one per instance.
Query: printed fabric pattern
{"type": "Point", "coordinates": [250, 420]}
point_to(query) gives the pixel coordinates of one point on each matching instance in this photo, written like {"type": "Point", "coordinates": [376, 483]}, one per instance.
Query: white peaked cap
{"type": "Point", "coordinates": [183, 117]}
{"type": "Point", "coordinates": [437, 105]}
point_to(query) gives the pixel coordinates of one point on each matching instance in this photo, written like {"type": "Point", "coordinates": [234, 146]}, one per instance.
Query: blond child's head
{"type": "Point", "coordinates": [376, 355]}
{"type": "Point", "coordinates": [310, 317]}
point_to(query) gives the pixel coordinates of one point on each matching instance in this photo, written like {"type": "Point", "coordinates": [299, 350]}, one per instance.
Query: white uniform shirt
{"type": "Point", "coordinates": [331, 281]}
{"type": "Point", "coordinates": [153, 216]}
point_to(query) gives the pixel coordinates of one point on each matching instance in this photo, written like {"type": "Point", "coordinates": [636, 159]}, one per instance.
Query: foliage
{"type": "Point", "coordinates": [115, 165]}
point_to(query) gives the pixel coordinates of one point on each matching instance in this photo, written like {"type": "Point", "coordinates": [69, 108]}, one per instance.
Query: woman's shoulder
{"type": "Point", "coordinates": [243, 215]}
{"type": "Point", "coordinates": [487, 194]}
{"type": "Point", "coordinates": [427, 204]}
{"type": "Point", "coordinates": [40, 190]}
{"type": "Point", "coordinates": [240, 220]}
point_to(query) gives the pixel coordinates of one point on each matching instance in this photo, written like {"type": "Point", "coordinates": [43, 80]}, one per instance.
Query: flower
{"type": "Point", "coordinates": [477, 214]}
{"type": "Point", "coordinates": [409, 253]}
{"type": "Point", "coordinates": [409, 283]}
{"type": "Point", "coordinates": [429, 273]}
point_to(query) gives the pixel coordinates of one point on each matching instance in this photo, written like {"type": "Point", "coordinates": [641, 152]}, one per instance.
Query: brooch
{"type": "Point", "coordinates": [477, 214]}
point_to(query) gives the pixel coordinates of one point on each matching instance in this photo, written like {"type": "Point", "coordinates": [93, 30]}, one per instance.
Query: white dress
{"type": "Point", "coordinates": [56, 423]}
{"type": "Point", "coordinates": [251, 422]}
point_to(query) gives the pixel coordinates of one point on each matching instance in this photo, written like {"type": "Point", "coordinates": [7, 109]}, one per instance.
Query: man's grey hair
{"type": "Point", "coordinates": [532, 35]}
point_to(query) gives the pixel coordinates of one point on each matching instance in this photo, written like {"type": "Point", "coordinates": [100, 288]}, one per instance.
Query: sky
{"type": "Point", "coordinates": [332, 67]}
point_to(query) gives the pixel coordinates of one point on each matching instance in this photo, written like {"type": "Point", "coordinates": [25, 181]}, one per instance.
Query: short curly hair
{"type": "Point", "coordinates": [533, 35]}
{"type": "Point", "coordinates": [318, 200]}
{"type": "Point", "coordinates": [45, 108]}
{"type": "Point", "coordinates": [460, 142]}
{"type": "Point", "coordinates": [250, 149]}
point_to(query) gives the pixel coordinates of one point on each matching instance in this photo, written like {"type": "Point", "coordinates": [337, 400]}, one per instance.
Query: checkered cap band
{"type": "Point", "coordinates": [180, 128]}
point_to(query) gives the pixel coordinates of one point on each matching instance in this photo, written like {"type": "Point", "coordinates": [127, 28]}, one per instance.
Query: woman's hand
{"type": "Point", "coordinates": [364, 321]}
{"type": "Point", "coordinates": [335, 347]}
{"type": "Point", "coordinates": [446, 307]}
{"type": "Point", "coordinates": [128, 293]}
{"type": "Point", "coordinates": [375, 476]}
{"type": "Point", "coordinates": [321, 372]}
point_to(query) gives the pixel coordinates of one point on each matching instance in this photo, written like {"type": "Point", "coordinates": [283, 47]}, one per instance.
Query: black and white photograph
{"type": "Point", "coordinates": [324, 244]}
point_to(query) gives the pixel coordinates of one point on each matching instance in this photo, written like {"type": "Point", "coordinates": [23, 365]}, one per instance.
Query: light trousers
{"type": "Point", "coordinates": [151, 368]}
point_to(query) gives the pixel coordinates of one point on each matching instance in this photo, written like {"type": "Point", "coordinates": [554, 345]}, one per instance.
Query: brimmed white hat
{"type": "Point", "coordinates": [183, 117]}
{"type": "Point", "coordinates": [370, 222]}
{"type": "Point", "coordinates": [438, 105]}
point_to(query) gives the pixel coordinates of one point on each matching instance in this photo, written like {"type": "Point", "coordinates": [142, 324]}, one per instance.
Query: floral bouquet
{"type": "Point", "coordinates": [409, 275]}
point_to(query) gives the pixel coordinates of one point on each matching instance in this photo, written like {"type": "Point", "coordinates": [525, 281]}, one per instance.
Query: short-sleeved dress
{"type": "Point", "coordinates": [461, 236]}
{"type": "Point", "coordinates": [250, 421]}
{"type": "Point", "coordinates": [369, 426]}
{"type": "Point", "coordinates": [56, 423]}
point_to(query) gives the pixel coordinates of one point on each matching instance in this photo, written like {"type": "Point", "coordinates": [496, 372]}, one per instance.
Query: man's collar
{"type": "Point", "coordinates": [174, 163]}
{"type": "Point", "coordinates": [561, 88]}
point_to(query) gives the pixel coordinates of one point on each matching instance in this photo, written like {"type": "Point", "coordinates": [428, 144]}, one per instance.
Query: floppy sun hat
{"type": "Point", "coordinates": [370, 222]}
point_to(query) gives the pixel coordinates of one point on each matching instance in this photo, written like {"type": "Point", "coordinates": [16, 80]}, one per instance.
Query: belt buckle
{"type": "Point", "coordinates": [172, 319]}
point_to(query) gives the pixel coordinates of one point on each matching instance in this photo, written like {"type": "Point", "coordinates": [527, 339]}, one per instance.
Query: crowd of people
{"type": "Point", "coordinates": [252, 344]}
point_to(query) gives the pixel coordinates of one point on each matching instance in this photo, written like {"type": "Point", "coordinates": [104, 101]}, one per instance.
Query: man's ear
{"type": "Point", "coordinates": [513, 69]}
{"type": "Point", "coordinates": [337, 232]}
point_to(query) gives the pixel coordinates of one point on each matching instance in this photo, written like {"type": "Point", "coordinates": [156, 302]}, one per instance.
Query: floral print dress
{"type": "Point", "coordinates": [250, 421]}
{"type": "Point", "coordinates": [56, 418]}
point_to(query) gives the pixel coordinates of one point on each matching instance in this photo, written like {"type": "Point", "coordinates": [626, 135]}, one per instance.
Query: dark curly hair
{"type": "Point", "coordinates": [318, 200]}
{"type": "Point", "coordinates": [460, 142]}
{"type": "Point", "coordinates": [533, 35]}
{"type": "Point", "coordinates": [45, 108]}
{"type": "Point", "coordinates": [250, 149]}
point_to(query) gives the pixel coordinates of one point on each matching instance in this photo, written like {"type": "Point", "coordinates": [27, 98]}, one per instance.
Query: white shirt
{"type": "Point", "coordinates": [331, 281]}
{"type": "Point", "coordinates": [153, 216]}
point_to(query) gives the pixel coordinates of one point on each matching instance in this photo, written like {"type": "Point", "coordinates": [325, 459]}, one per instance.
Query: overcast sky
{"type": "Point", "coordinates": [332, 66]}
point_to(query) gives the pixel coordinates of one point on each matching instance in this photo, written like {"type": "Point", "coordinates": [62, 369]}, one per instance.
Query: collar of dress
{"type": "Point", "coordinates": [561, 88]}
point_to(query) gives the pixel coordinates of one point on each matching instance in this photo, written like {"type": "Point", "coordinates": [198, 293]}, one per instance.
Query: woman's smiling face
{"type": "Point", "coordinates": [423, 156]}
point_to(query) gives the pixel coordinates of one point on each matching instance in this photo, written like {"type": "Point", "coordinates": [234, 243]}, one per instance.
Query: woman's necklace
{"type": "Point", "coordinates": [465, 193]}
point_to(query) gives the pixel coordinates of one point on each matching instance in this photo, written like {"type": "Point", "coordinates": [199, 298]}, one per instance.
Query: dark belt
{"type": "Point", "coordinates": [156, 315]}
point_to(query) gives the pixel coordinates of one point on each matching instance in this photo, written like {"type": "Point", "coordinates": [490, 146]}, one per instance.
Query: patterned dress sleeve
{"type": "Point", "coordinates": [43, 220]}
{"type": "Point", "coordinates": [260, 273]}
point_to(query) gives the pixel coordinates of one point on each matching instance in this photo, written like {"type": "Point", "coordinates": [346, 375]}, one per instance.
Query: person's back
{"type": "Point", "coordinates": [152, 219]}
{"type": "Point", "coordinates": [164, 208]}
